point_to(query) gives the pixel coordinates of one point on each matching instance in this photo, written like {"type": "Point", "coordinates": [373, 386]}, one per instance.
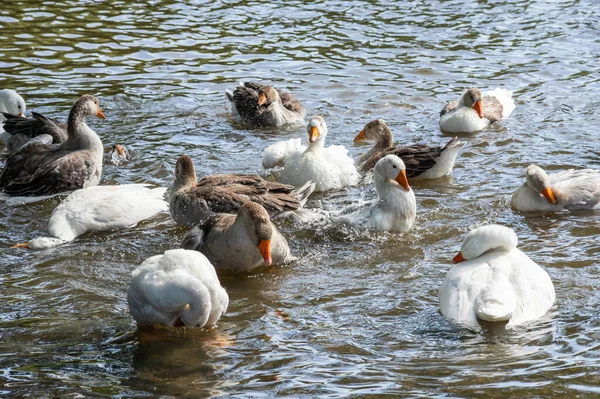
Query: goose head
{"type": "Point", "coordinates": [472, 99]}
{"type": "Point", "coordinates": [185, 172]}
{"type": "Point", "coordinates": [119, 154]}
{"type": "Point", "coordinates": [89, 106]}
{"type": "Point", "coordinates": [538, 180]}
{"type": "Point", "coordinates": [317, 129]}
{"type": "Point", "coordinates": [11, 102]}
{"type": "Point", "coordinates": [486, 238]}
{"type": "Point", "coordinates": [267, 95]}
{"type": "Point", "coordinates": [376, 130]}
{"type": "Point", "coordinates": [257, 222]}
{"type": "Point", "coordinates": [391, 167]}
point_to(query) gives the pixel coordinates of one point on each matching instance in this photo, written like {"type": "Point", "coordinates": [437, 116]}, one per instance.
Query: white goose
{"type": "Point", "coordinates": [396, 207]}
{"type": "Point", "coordinates": [12, 103]}
{"type": "Point", "coordinates": [179, 288]}
{"type": "Point", "coordinates": [494, 281]}
{"type": "Point", "coordinates": [567, 190]}
{"type": "Point", "coordinates": [329, 168]}
{"type": "Point", "coordinates": [474, 111]}
{"type": "Point", "coordinates": [100, 208]}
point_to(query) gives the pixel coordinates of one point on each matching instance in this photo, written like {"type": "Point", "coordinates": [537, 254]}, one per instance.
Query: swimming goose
{"type": "Point", "coordinates": [119, 154]}
{"type": "Point", "coordinates": [396, 206]}
{"type": "Point", "coordinates": [22, 129]}
{"type": "Point", "coordinates": [100, 208]}
{"type": "Point", "coordinates": [474, 111]}
{"type": "Point", "coordinates": [494, 281]}
{"type": "Point", "coordinates": [240, 242]}
{"type": "Point", "coordinates": [12, 103]}
{"type": "Point", "coordinates": [264, 105]}
{"type": "Point", "coordinates": [41, 169]}
{"type": "Point", "coordinates": [421, 160]}
{"type": "Point", "coordinates": [568, 190]}
{"type": "Point", "coordinates": [330, 168]}
{"type": "Point", "coordinates": [177, 289]}
{"type": "Point", "coordinates": [191, 201]}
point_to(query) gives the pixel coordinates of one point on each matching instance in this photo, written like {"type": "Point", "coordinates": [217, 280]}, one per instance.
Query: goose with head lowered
{"type": "Point", "coordinates": [330, 168]}
{"type": "Point", "coordinates": [264, 106]}
{"type": "Point", "coordinates": [40, 169]}
{"type": "Point", "coordinates": [240, 242]}
{"type": "Point", "coordinates": [421, 161]}
{"type": "Point", "coordinates": [396, 207]}
{"type": "Point", "coordinates": [474, 111]}
{"type": "Point", "coordinates": [179, 288]}
{"type": "Point", "coordinates": [569, 190]}
{"type": "Point", "coordinates": [21, 130]}
{"type": "Point", "coordinates": [494, 281]}
{"type": "Point", "coordinates": [191, 201]}
{"type": "Point", "coordinates": [100, 208]}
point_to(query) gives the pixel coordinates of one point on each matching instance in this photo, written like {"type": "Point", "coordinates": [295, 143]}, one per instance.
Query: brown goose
{"type": "Point", "coordinates": [421, 160]}
{"type": "Point", "coordinates": [264, 106]}
{"type": "Point", "coordinates": [23, 129]}
{"type": "Point", "coordinates": [240, 242]}
{"type": "Point", "coordinates": [191, 201]}
{"type": "Point", "coordinates": [474, 111]}
{"type": "Point", "coordinates": [41, 169]}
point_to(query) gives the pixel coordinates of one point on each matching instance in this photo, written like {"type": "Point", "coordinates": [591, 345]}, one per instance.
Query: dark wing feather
{"type": "Point", "coordinates": [35, 126]}
{"type": "Point", "coordinates": [246, 102]}
{"type": "Point", "coordinates": [492, 108]}
{"type": "Point", "coordinates": [451, 106]}
{"type": "Point", "coordinates": [226, 193]}
{"type": "Point", "coordinates": [290, 102]}
{"type": "Point", "coordinates": [40, 169]}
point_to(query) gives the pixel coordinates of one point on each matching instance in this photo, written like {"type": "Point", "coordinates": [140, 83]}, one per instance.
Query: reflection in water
{"type": "Point", "coordinates": [357, 314]}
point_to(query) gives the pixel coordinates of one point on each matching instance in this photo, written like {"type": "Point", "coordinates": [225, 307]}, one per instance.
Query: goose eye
{"type": "Point", "coordinates": [394, 166]}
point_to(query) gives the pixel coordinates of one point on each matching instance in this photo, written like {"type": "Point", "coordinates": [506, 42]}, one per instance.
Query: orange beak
{"type": "Point", "coordinates": [479, 108]}
{"type": "Point", "coordinates": [21, 245]}
{"type": "Point", "coordinates": [20, 114]}
{"type": "Point", "coordinates": [402, 180]}
{"type": "Point", "coordinates": [314, 134]}
{"type": "Point", "coordinates": [265, 251]}
{"type": "Point", "coordinates": [262, 99]}
{"type": "Point", "coordinates": [360, 136]}
{"type": "Point", "coordinates": [549, 194]}
{"type": "Point", "coordinates": [120, 149]}
{"type": "Point", "coordinates": [100, 114]}
{"type": "Point", "coordinates": [458, 258]}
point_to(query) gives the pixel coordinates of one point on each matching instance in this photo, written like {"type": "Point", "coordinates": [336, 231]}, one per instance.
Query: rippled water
{"type": "Point", "coordinates": [357, 314]}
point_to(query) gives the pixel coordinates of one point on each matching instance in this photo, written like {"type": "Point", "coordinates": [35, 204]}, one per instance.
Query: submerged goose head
{"type": "Point", "coordinates": [185, 172]}
{"type": "Point", "coordinates": [11, 102]}
{"type": "Point", "coordinates": [486, 238]}
{"type": "Point", "coordinates": [119, 154]}
{"type": "Point", "coordinates": [255, 219]}
{"type": "Point", "coordinates": [538, 180]}
{"type": "Point", "coordinates": [317, 129]}
{"type": "Point", "coordinates": [472, 99]}
{"type": "Point", "coordinates": [391, 167]}
{"type": "Point", "coordinates": [376, 130]}
{"type": "Point", "coordinates": [267, 95]}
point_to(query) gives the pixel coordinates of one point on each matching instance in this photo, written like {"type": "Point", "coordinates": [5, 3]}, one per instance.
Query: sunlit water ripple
{"type": "Point", "coordinates": [357, 314]}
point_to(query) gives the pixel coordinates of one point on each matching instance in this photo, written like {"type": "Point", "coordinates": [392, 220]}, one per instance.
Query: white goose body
{"type": "Point", "coordinates": [494, 281]}
{"type": "Point", "coordinates": [475, 111]}
{"type": "Point", "coordinates": [329, 168]}
{"type": "Point", "coordinates": [178, 288]}
{"type": "Point", "coordinates": [564, 191]}
{"type": "Point", "coordinates": [396, 207]}
{"type": "Point", "coordinates": [100, 208]}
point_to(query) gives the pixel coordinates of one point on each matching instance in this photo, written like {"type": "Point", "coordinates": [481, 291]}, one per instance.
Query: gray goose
{"type": "Point", "coordinates": [422, 161]}
{"type": "Point", "coordinates": [191, 201]}
{"type": "Point", "coordinates": [240, 242]}
{"type": "Point", "coordinates": [40, 169]}
{"type": "Point", "coordinates": [264, 106]}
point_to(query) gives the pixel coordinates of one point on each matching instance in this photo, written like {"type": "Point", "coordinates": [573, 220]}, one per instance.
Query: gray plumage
{"type": "Point", "coordinates": [24, 129]}
{"type": "Point", "coordinates": [192, 202]}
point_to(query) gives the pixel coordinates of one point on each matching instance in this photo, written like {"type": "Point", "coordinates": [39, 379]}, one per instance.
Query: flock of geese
{"type": "Point", "coordinates": [231, 216]}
